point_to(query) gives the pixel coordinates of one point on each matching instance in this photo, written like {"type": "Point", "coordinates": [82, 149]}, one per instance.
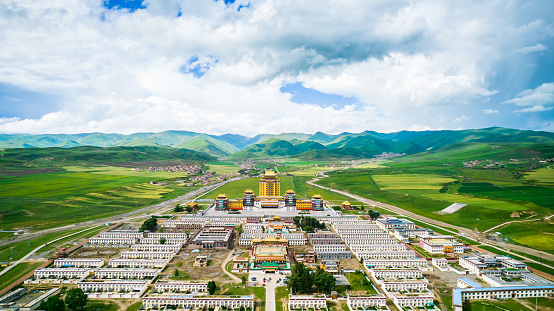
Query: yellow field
{"type": "Point", "coordinates": [309, 171]}
{"type": "Point", "coordinates": [494, 204]}
{"type": "Point", "coordinates": [411, 181]}
{"type": "Point", "coordinates": [124, 171]}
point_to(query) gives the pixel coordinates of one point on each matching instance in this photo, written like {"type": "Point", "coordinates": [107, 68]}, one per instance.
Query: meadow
{"type": "Point", "coordinates": [543, 176]}
{"type": "Point", "coordinates": [535, 234]}
{"type": "Point", "coordinates": [222, 167]}
{"type": "Point", "coordinates": [78, 194]}
{"type": "Point", "coordinates": [427, 194]}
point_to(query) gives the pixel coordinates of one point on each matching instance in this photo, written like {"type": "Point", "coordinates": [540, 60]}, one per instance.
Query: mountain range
{"type": "Point", "coordinates": [304, 146]}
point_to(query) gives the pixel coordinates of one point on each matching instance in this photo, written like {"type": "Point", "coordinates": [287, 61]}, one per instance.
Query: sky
{"type": "Point", "coordinates": [274, 66]}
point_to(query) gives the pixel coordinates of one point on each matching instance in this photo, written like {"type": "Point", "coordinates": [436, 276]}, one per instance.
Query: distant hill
{"type": "Point", "coordinates": [103, 155]}
{"type": "Point", "coordinates": [317, 146]}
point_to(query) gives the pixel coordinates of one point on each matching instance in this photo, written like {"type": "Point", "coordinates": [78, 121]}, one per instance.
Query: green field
{"type": "Point", "coordinates": [544, 175]}
{"type": "Point", "coordinates": [536, 234]}
{"type": "Point", "coordinates": [511, 305]}
{"type": "Point", "coordinates": [222, 167]}
{"type": "Point", "coordinates": [21, 248]}
{"type": "Point", "coordinates": [59, 198]}
{"type": "Point", "coordinates": [411, 181]}
{"type": "Point", "coordinates": [427, 194]}
{"type": "Point", "coordinates": [17, 272]}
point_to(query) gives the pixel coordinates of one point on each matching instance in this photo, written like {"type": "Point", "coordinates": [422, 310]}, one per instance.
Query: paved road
{"type": "Point", "coordinates": [224, 263]}
{"type": "Point", "coordinates": [270, 287]}
{"type": "Point", "coordinates": [509, 222]}
{"type": "Point", "coordinates": [467, 233]}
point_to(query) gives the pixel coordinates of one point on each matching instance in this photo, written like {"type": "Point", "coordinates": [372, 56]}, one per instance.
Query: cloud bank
{"type": "Point", "coordinates": [207, 66]}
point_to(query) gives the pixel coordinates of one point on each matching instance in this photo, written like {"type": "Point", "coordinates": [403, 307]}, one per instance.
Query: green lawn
{"type": "Point", "coordinates": [135, 306]}
{"type": "Point", "coordinates": [280, 294]}
{"type": "Point", "coordinates": [222, 167]}
{"type": "Point", "coordinates": [358, 282]}
{"type": "Point", "coordinates": [102, 305]}
{"type": "Point", "coordinates": [259, 293]}
{"type": "Point", "coordinates": [512, 305]}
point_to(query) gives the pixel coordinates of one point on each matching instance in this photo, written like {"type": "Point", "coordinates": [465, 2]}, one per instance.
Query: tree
{"type": "Point", "coordinates": [76, 299]}
{"type": "Point", "coordinates": [239, 229]}
{"type": "Point", "coordinates": [178, 208]}
{"type": "Point", "coordinates": [189, 209]}
{"type": "Point", "coordinates": [176, 272]}
{"type": "Point", "coordinates": [373, 214]}
{"type": "Point", "coordinates": [187, 232]}
{"type": "Point", "coordinates": [300, 279]}
{"type": "Point", "coordinates": [244, 279]}
{"type": "Point", "coordinates": [297, 220]}
{"type": "Point", "coordinates": [53, 303]}
{"type": "Point", "coordinates": [160, 229]}
{"type": "Point", "coordinates": [163, 240]}
{"type": "Point", "coordinates": [324, 280]}
{"type": "Point", "coordinates": [309, 229]}
{"type": "Point", "coordinates": [149, 224]}
{"type": "Point", "coordinates": [362, 207]}
{"type": "Point", "coordinates": [211, 287]}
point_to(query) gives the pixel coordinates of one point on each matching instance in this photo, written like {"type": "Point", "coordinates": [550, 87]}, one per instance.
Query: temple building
{"type": "Point", "coordinates": [270, 255]}
{"type": "Point", "coordinates": [269, 197]}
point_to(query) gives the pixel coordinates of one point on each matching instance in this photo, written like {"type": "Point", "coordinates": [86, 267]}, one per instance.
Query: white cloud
{"type": "Point", "coordinates": [535, 48]}
{"type": "Point", "coordinates": [490, 111]}
{"type": "Point", "coordinates": [541, 96]}
{"type": "Point", "coordinates": [403, 60]}
{"type": "Point", "coordinates": [461, 118]}
{"type": "Point", "coordinates": [537, 108]}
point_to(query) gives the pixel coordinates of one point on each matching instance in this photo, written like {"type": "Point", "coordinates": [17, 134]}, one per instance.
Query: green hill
{"type": "Point", "coordinates": [209, 145]}
{"type": "Point", "coordinates": [51, 157]}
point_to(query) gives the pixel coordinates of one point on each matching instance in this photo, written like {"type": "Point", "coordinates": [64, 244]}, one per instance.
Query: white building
{"type": "Point", "coordinates": [113, 288]}
{"type": "Point", "coordinates": [396, 263]}
{"type": "Point", "coordinates": [138, 263]}
{"type": "Point", "coordinates": [115, 242]}
{"type": "Point", "coordinates": [125, 273]}
{"type": "Point", "coordinates": [167, 241]}
{"type": "Point", "coordinates": [58, 273]}
{"type": "Point", "coordinates": [397, 285]}
{"type": "Point", "coordinates": [443, 244]}
{"type": "Point", "coordinates": [359, 248]}
{"type": "Point", "coordinates": [157, 247]}
{"type": "Point", "coordinates": [395, 273]}
{"type": "Point", "coordinates": [370, 240]}
{"type": "Point", "coordinates": [422, 299]}
{"type": "Point", "coordinates": [366, 301]}
{"type": "Point", "coordinates": [147, 255]}
{"type": "Point", "coordinates": [307, 301]}
{"type": "Point", "coordinates": [79, 262]}
{"type": "Point", "coordinates": [459, 295]}
{"type": "Point", "coordinates": [180, 287]}
{"type": "Point", "coordinates": [122, 234]}
{"type": "Point", "coordinates": [330, 248]}
{"type": "Point", "coordinates": [192, 301]}
{"type": "Point", "coordinates": [386, 255]}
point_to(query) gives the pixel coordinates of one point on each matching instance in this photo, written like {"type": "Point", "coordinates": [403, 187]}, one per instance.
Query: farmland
{"type": "Point", "coordinates": [493, 196]}
{"type": "Point", "coordinates": [536, 234]}
{"type": "Point", "coordinates": [45, 188]}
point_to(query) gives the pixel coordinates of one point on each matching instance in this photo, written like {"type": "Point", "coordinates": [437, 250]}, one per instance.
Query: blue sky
{"type": "Point", "coordinates": [260, 66]}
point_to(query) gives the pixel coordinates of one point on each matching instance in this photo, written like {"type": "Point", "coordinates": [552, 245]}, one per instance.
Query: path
{"type": "Point", "coordinates": [8, 268]}
{"type": "Point", "coordinates": [509, 222]}
{"type": "Point", "coordinates": [464, 231]}
{"type": "Point", "coordinates": [224, 264]}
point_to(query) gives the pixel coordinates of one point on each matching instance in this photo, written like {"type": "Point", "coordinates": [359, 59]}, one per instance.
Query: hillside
{"type": "Point", "coordinates": [22, 161]}
{"type": "Point", "coordinates": [317, 146]}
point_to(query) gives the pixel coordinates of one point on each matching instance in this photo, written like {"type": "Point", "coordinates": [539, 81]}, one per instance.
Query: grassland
{"type": "Point", "coordinates": [536, 234]}
{"type": "Point", "coordinates": [428, 194]}
{"type": "Point", "coordinates": [17, 272]}
{"type": "Point", "coordinates": [512, 304]}
{"type": "Point", "coordinates": [543, 176]}
{"type": "Point", "coordinates": [281, 294]}
{"type": "Point", "coordinates": [79, 193]}
{"type": "Point", "coordinates": [222, 167]}
{"type": "Point", "coordinates": [101, 305]}
{"type": "Point", "coordinates": [20, 249]}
